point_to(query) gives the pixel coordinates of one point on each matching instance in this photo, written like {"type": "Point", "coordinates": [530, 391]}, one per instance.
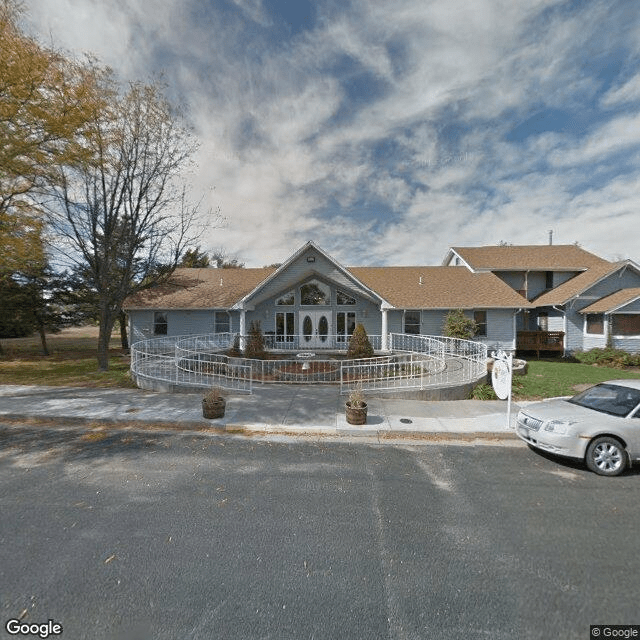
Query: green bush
{"type": "Point", "coordinates": [457, 325]}
{"type": "Point", "coordinates": [483, 392]}
{"type": "Point", "coordinates": [255, 344]}
{"type": "Point", "coordinates": [359, 344]}
{"type": "Point", "coordinates": [607, 357]}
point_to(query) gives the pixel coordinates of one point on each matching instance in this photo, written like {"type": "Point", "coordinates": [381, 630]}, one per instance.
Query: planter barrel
{"type": "Point", "coordinates": [212, 410]}
{"type": "Point", "coordinates": [356, 415]}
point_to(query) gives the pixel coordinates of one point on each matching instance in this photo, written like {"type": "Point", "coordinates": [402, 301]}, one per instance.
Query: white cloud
{"type": "Point", "coordinates": [628, 92]}
{"type": "Point", "coordinates": [280, 139]}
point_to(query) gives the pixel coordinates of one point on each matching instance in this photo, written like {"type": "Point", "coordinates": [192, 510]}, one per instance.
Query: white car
{"type": "Point", "coordinates": [600, 426]}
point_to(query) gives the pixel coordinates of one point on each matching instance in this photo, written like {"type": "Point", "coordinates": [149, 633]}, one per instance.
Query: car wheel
{"type": "Point", "coordinates": [606, 456]}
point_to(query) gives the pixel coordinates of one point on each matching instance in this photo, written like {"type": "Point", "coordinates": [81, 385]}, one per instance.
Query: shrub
{"type": "Point", "coordinates": [255, 343]}
{"type": "Point", "coordinates": [359, 344]}
{"type": "Point", "coordinates": [483, 392]}
{"type": "Point", "coordinates": [235, 351]}
{"type": "Point", "coordinates": [607, 357]}
{"type": "Point", "coordinates": [457, 325]}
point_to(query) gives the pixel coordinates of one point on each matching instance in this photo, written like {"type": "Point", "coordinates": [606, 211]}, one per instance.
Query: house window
{"type": "Point", "coordinates": [344, 299]}
{"type": "Point", "coordinates": [222, 323]}
{"type": "Point", "coordinates": [287, 299]}
{"type": "Point", "coordinates": [594, 323]}
{"type": "Point", "coordinates": [346, 323]}
{"type": "Point", "coordinates": [315, 293]}
{"type": "Point", "coordinates": [284, 326]}
{"type": "Point", "coordinates": [543, 321]}
{"type": "Point", "coordinates": [626, 324]}
{"type": "Point", "coordinates": [160, 326]}
{"type": "Point", "coordinates": [480, 318]}
{"type": "Point", "coordinates": [412, 322]}
{"type": "Point", "coordinates": [548, 280]}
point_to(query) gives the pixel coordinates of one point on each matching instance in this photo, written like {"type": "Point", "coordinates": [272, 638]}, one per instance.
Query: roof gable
{"type": "Point", "coordinates": [614, 301]}
{"type": "Point", "coordinates": [310, 261]}
{"type": "Point", "coordinates": [582, 282]}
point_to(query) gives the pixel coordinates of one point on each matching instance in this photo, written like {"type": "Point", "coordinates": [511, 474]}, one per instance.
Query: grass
{"type": "Point", "coordinates": [73, 361]}
{"type": "Point", "coordinates": [547, 379]}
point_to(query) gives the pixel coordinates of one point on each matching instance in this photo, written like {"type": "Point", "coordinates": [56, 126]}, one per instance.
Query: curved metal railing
{"type": "Point", "coordinates": [413, 361]}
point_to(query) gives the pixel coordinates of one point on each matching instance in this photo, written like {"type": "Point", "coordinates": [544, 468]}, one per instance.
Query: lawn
{"type": "Point", "coordinates": [547, 379]}
{"type": "Point", "coordinates": [73, 361]}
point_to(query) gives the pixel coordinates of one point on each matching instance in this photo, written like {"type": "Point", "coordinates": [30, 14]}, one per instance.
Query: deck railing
{"type": "Point", "coordinates": [539, 341]}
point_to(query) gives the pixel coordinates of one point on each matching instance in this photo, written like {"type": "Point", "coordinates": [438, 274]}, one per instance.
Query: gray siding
{"type": "Point", "coordinates": [300, 270]}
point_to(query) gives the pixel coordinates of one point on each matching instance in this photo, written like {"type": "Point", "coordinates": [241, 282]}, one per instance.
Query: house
{"type": "Point", "coordinates": [311, 301]}
{"type": "Point", "coordinates": [573, 294]}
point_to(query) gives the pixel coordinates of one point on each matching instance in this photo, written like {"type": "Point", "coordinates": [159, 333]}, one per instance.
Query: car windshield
{"type": "Point", "coordinates": [609, 398]}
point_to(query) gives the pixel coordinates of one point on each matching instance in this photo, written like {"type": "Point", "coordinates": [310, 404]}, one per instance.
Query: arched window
{"type": "Point", "coordinates": [315, 293]}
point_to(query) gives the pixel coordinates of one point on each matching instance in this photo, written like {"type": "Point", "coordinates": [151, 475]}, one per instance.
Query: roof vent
{"type": "Point", "coordinates": [420, 281]}
{"type": "Point", "coordinates": [220, 281]}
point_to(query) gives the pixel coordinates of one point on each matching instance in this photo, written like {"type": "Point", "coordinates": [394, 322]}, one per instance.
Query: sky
{"type": "Point", "coordinates": [387, 131]}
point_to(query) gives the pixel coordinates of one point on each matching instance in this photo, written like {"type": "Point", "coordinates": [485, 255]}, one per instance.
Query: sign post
{"type": "Point", "coordinates": [501, 377]}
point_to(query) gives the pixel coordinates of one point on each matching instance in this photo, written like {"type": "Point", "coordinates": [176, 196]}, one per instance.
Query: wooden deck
{"type": "Point", "coordinates": [540, 341]}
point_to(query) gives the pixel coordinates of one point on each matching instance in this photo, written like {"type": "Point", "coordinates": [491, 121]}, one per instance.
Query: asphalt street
{"type": "Point", "coordinates": [121, 535]}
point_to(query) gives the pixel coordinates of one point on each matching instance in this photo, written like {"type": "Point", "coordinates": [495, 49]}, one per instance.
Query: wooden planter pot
{"type": "Point", "coordinates": [213, 410]}
{"type": "Point", "coordinates": [356, 415]}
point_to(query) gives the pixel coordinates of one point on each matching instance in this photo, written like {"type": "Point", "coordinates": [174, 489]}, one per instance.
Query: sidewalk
{"type": "Point", "coordinates": [290, 410]}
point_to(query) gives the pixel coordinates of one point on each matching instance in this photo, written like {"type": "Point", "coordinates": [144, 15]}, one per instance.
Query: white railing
{"type": "Point", "coordinates": [298, 342]}
{"type": "Point", "coordinates": [414, 361]}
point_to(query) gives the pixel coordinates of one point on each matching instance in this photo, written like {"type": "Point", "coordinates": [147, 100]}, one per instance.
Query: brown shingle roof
{"type": "Point", "coordinates": [544, 257]}
{"type": "Point", "coordinates": [576, 285]}
{"type": "Point", "coordinates": [200, 289]}
{"type": "Point", "coordinates": [612, 301]}
{"type": "Point", "coordinates": [441, 288]}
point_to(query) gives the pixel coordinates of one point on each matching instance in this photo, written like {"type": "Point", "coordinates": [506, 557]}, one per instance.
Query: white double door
{"type": "Point", "coordinates": [315, 329]}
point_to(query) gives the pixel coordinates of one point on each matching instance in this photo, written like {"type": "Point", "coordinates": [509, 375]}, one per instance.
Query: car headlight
{"type": "Point", "coordinates": [559, 426]}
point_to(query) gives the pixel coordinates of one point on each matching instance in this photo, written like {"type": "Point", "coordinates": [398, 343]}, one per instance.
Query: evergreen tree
{"type": "Point", "coordinates": [359, 344]}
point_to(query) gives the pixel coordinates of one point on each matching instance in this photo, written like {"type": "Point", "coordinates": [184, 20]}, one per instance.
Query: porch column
{"type": "Point", "coordinates": [243, 328]}
{"type": "Point", "coordinates": [385, 330]}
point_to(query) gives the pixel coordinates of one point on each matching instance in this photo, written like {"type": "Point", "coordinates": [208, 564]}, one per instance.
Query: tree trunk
{"type": "Point", "coordinates": [107, 320]}
{"type": "Point", "coordinates": [43, 340]}
{"type": "Point", "coordinates": [122, 319]}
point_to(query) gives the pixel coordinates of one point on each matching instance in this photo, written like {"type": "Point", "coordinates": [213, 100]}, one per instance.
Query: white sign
{"type": "Point", "coordinates": [501, 376]}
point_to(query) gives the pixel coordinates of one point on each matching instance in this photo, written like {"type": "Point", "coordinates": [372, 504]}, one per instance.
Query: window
{"type": "Point", "coordinates": [543, 321]}
{"type": "Point", "coordinates": [160, 326]}
{"type": "Point", "coordinates": [626, 324]}
{"type": "Point", "coordinates": [346, 322]}
{"type": "Point", "coordinates": [548, 280]}
{"type": "Point", "coordinates": [480, 318]}
{"type": "Point", "coordinates": [594, 323]}
{"type": "Point", "coordinates": [287, 299]}
{"type": "Point", "coordinates": [412, 322]}
{"type": "Point", "coordinates": [222, 323]}
{"type": "Point", "coordinates": [315, 293]}
{"type": "Point", "coordinates": [284, 326]}
{"type": "Point", "coordinates": [344, 299]}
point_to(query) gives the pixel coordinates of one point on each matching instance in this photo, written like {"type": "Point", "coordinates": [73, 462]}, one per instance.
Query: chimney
{"type": "Point", "coordinates": [551, 236]}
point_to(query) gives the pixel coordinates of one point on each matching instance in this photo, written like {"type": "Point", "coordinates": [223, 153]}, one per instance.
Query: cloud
{"type": "Point", "coordinates": [382, 132]}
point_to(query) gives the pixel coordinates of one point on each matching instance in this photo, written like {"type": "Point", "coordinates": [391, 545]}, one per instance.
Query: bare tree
{"type": "Point", "coordinates": [121, 214]}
